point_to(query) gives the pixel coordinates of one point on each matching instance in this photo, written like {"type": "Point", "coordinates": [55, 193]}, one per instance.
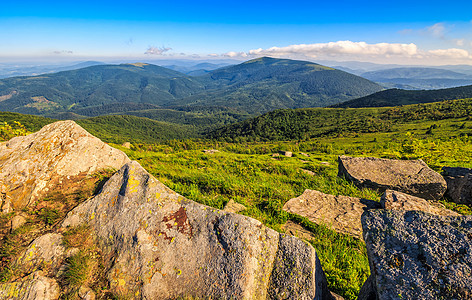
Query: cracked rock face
{"type": "Point", "coordinates": [416, 255]}
{"type": "Point", "coordinates": [459, 184]}
{"type": "Point", "coordinates": [342, 213]}
{"type": "Point", "coordinates": [30, 165]}
{"type": "Point", "coordinates": [163, 246]}
{"type": "Point", "coordinates": [401, 201]}
{"type": "Point", "coordinates": [412, 177]}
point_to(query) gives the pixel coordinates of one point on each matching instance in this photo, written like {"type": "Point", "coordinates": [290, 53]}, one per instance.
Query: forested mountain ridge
{"type": "Point", "coordinates": [264, 84]}
{"type": "Point", "coordinates": [95, 86]}
{"type": "Point", "coordinates": [254, 87]}
{"type": "Point", "coordinates": [396, 97]}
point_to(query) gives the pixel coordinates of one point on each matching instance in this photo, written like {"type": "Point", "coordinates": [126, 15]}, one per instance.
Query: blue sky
{"type": "Point", "coordinates": [407, 32]}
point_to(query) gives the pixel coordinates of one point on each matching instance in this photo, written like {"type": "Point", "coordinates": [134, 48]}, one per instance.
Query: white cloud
{"type": "Point", "coordinates": [157, 50]}
{"type": "Point", "coordinates": [451, 53]}
{"type": "Point", "coordinates": [63, 52]}
{"type": "Point", "coordinates": [459, 42]}
{"type": "Point", "coordinates": [233, 54]}
{"type": "Point", "coordinates": [340, 48]}
{"type": "Point", "coordinates": [362, 51]}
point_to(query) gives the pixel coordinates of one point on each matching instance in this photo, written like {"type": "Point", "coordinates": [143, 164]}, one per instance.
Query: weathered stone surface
{"type": "Point", "coordinates": [210, 151]}
{"type": "Point", "coordinates": [32, 287]}
{"type": "Point", "coordinates": [16, 222]}
{"type": "Point", "coordinates": [459, 184]}
{"type": "Point", "coordinates": [413, 177]}
{"type": "Point", "coordinates": [163, 246]}
{"type": "Point", "coordinates": [341, 213]}
{"type": "Point", "coordinates": [415, 255]}
{"type": "Point", "coordinates": [29, 164]}
{"type": "Point", "coordinates": [234, 207]}
{"type": "Point", "coordinates": [401, 201]}
{"type": "Point", "coordinates": [286, 153]}
{"type": "Point", "coordinates": [46, 251]}
{"type": "Point", "coordinates": [126, 145]}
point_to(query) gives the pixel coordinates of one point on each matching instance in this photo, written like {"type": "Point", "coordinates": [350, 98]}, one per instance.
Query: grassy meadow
{"type": "Point", "coordinates": [247, 171]}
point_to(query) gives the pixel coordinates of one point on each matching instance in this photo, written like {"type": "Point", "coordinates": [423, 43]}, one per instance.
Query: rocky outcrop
{"type": "Point", "coordinates": [413, 177]}
{"type": "Point", "coordinates": [459, 184]}
{"type": "Point", "coordinates": [33, 287]}
{"type": "Point", "coordinates": [163, 246]}
{"type": "Point", "coordinates": [401, 201]}
{"type": "Point", "coordinates": [62, 151]}
{"type": "Point", "coordinates": [341, 213]}
{"type": "Point", "coordinates": [416, 255]}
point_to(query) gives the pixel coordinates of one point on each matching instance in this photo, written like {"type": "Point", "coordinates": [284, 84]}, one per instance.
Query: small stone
{"type": "Point", "coordinates": [16, 222]}
{"type": "Point", "coordinates": [126, 145]}
{"type": "Point", "coordinates": [86, 293]}
{"type": "Point", "coordinates": [234, 207]}
{"type": "Point", "coordinates": [304, 154]}
{"type": "Point", "coordinates": [308, 172]}
{"type": "Point", "coordinates": [210, 151]}
{"type": "Point", "coordinates": [286, 153]}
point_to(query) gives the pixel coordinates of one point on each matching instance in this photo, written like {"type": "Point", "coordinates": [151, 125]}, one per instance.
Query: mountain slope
{"type": "Point", "coordinates": [307, 123]}
{"type": "Point", "coordinates": [396, 97]}
{"type": "Point", "coordinates": [265, 84]}
{"type": "Point", "coordinates": [254, 87]}
{"type": "Point", "coordinates": [95, 86]}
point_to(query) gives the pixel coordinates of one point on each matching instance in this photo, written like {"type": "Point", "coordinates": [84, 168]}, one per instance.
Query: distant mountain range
{"type": "Point", "coordinates": [418, 78]}
{"type": "Point", "coordinates": [253, 87]}
{"type": "Point", "coordinates": [12, 70]}
{"type": "Point", "coordinates": [397, 97]}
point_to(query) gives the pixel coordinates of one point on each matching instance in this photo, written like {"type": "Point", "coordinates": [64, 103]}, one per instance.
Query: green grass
{"type": "Point", "coordinates": [249, 174]}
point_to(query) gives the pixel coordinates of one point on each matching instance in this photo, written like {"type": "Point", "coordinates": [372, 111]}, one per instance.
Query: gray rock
{"type": "Point", "coordinates": [234, 207]}
{"type": "Point", "coordinates": [16, 222]}
{"type": "Point", "coordinates": [47, 252]}
{"type": "Point", "coordinates": [29, 165]}
{"type": "Point", "coordinates": [210, 151]}
{"type": "Point", "coordinates": [413, 177]}
{"type": "Point", "coordinates": [163, 246]}
{"type": "Point", "coordinates": [341, 213]}
{"type": "Point", "coordinates": [459, 184]}
{"type": "Point", "coordinates": [32, 287]}
{"type": "Point", "coordinates": [286, 153]}
{"type": "Point", "coordinates": [416, 255]}
{"type": "Point", "coordinates": [401, 201]}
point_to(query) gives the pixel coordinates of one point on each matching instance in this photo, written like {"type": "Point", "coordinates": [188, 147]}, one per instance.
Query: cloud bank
{"type": "Point", "coordinates": [157, 50]}
{"type": "Point", "coordinates": [348, 50]}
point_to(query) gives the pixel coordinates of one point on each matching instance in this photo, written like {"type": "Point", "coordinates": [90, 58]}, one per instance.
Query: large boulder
{"type": "Point", "coordinates": [60, 152]}
{"type": "Point", "coordinates": [413, 177]}
{"type": "Point", "coordinates": [341, 213]}
{"type": "Point", "coordinates": [160, 245]}
{"type": "Point", "coordinates": [416, 255]}
{"type": "Point", "coordinates": [401, 201]}
{"type": "Point", "coordinates": [459, 184]}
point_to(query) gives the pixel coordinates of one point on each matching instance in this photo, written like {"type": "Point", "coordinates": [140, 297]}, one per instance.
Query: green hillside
{"type": "Point", "coordinates": [395, 97]}
{"type": "Point", "coordinates": [114, 129]}
{"type": "Point", "coordinates": [265, 84]}
{"type": "Point", "coordinates": [303, 124]}
{"type": "Point", "coordinates": [94, 86]}
{"type": "Point", "coordinates": [253, 87]}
